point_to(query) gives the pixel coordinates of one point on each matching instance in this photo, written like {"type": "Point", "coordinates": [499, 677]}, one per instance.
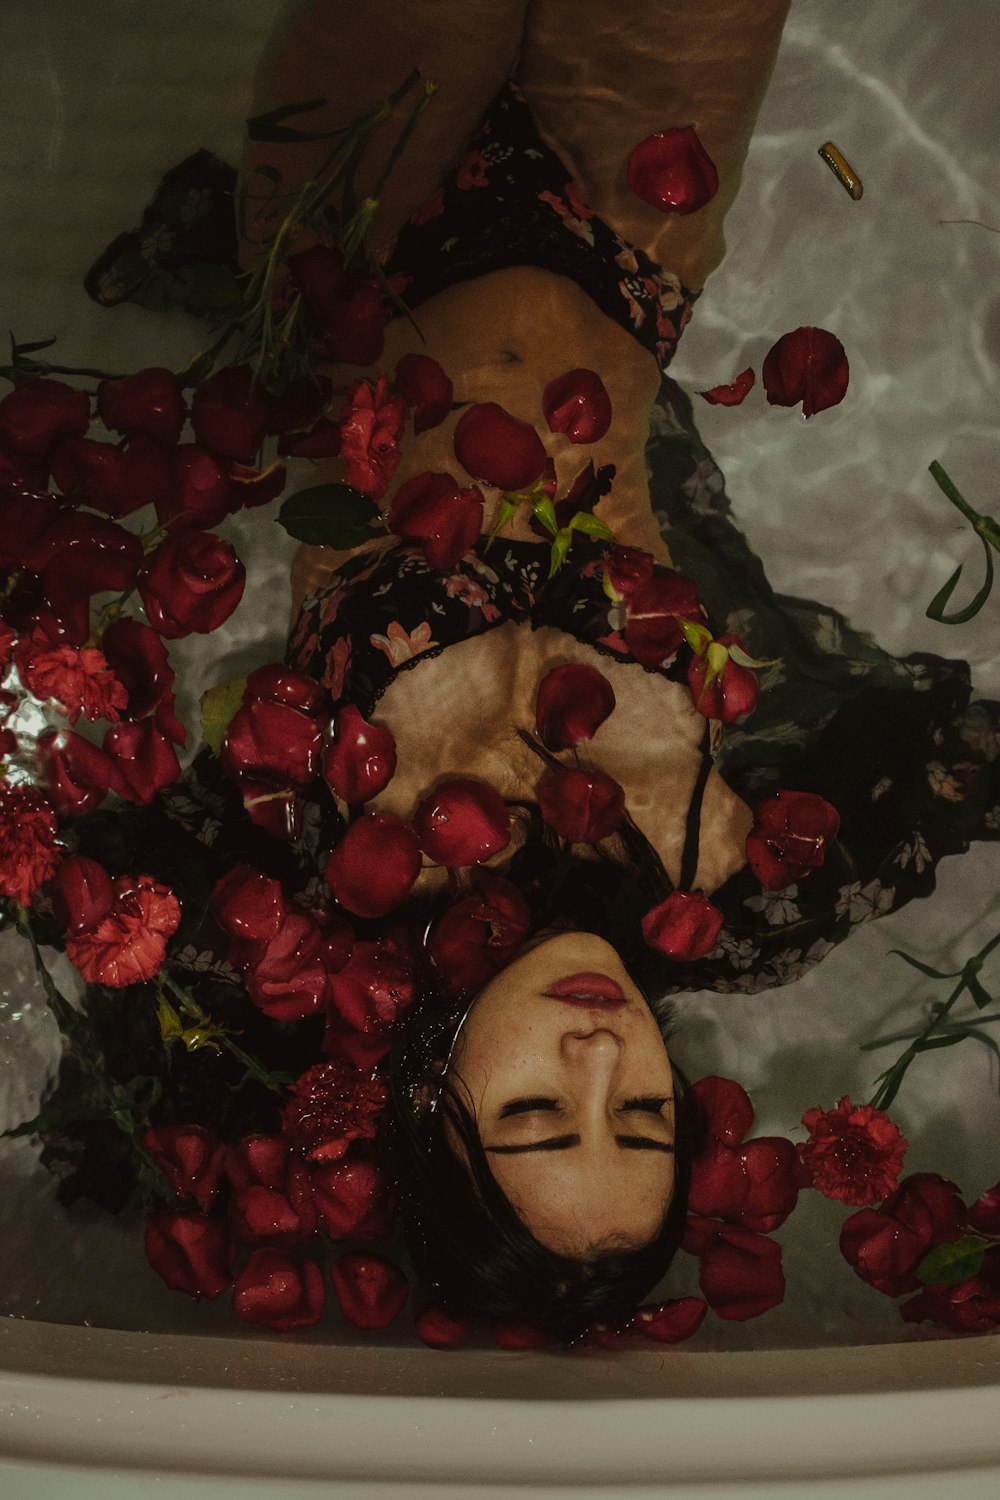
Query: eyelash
{"type": "Point", "coordinates": [528, 1106]}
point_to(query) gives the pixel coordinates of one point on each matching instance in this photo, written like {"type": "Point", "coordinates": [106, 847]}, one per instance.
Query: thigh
{"type": "Point", "coordinates": [601, 75]}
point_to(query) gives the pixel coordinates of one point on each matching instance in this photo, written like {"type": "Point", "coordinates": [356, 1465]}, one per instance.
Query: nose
{"type": "Point", "coordinates": [593, 1047]}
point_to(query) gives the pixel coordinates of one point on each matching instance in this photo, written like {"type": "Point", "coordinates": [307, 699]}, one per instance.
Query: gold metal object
{"type": "Point", "coordinates": [841, 169]}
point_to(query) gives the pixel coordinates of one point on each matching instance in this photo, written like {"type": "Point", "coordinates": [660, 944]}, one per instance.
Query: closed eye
{"type": "Point", "coordinates": [646, 1106]}
{"type": "Point", "coordinates": [526, 1106]}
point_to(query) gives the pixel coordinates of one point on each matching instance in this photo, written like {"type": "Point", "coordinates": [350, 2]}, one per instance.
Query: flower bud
{"type": "Point", "coordinates": [192, 1253]}
{"type": "Point", "coordinates": [82, 893]}
{"type": "Point", "coordinates": [149, 402]}
{"type": "Point", "coordinates": [35, 415]}
{"type": "Point", "coordinates": [432, 510]}
{"type": "Point", "coordinates": [274, 1291]}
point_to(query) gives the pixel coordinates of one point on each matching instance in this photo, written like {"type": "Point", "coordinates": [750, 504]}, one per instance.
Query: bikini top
{"type": "Point", "coordinates": [511, 201]}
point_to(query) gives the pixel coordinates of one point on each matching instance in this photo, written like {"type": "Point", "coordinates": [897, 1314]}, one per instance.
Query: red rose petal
{"type": "Point", "coordinates": [426, 389]}
{"type": "Point", "coordinates": [497, 448]}
{"type": "Point", "coordinates": [578, 405]}
{"type": "Point", "coordinates": [581, 806]}
{"type": "Point", "coordinates": [672, 171]}
{"type": "Point", "coordinates": [462, 822]}
{"type": "Point", "coordinates": [807, 365]}
{"type": "Point", "coordinates": [375, 865]}
{"type": "Point", "coordinates": [372, 1292]}
{"type": "Point", "coordinates": [573, 702]}
{"type": "Point", "coordinates": [684, 926]}
{"type": "Point", "coordinates": [731, 395]}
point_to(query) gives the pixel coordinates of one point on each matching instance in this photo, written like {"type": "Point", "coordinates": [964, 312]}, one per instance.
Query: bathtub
{"type": "Point", "coordinates": [110, 1385]}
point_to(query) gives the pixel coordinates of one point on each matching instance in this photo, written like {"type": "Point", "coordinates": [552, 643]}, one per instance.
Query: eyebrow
{"type": "Point", "coordinates": [567, 1142]}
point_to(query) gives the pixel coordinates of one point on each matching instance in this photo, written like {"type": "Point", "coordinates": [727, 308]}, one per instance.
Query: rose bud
{"type": "Point", "coordinates": [347, 1195]}
{"type": "Point", "coordinates": [82, 893]}
{"type": "Point", "coordinates": [443, 519]}
{"type": "Point", "coordinates": [276, 810]}
{"type": "Point", "coordinates": [191, 1159]}
{"type": "Point", "coordinates": [248, 905]}
{"type": "Point", "coordinates": [740, 1273]}
{"type": "Point", "coordinates": [479, 934]}
{"type": "Point", "coordinates": [361, 761]}
{"type": "Point", "coordinates": [192, 1253]}
{"type": "Point", "coordinates": [626, 570]}
{"type": "Point", "coordinates": [273, 1291]}
{"type": "Point", "coordinates": [260, 1159]}
{"type": "Point", "coordinates": [252, 487]}
{"type": "Point", "coordinates": [807, 365]}
{"type": "Point", "coordinates": [199, 493]}
{"type": "Point", "coordinates": [510, 1335]}
{"type": "Point", "coordinates": [373, 989]}
{"type": "Point", "coordinates": [577, 405]}
{"type": "Point", "coordinates": [142, 761]}
{"type": "Point", "coordinates": [439, 1330]}
{"type": "Point", "coordinates": [582, 806]}
{"type": "Point", "coordinates": [20, 472]}
{"type": "Point", "coordinates": [77, 774]}
{"type": "Point", "coordinates": [684, 926]}
{"type": "Point", "coordinates": [497, 448]}
{"type": "Point", "coordinates": [353, 331]}
{"type": "Point", "coordinates": [148, 402]}
{"type": "Point", "coordinates": [139, 660]}
{"type": "Point", "coordinates": [462, 822]}
{"type": "Point", "coordinates": [723, 686]}
{"type": "Point", "coordinates": [229, 414]}
{"type": "Point", "coordinates": [284, 1215]}
{"type": "Point", "coordinates": [884, 1246]}
{"type": "Point", "coordinates": [372, 1292]}
{"type": "Point", "coordinates": [269, 740]}
{"type": "Point", "coordinates": [288, 981]}
{"type": "Point", "coordinates": [671, 1322]}
{"type": "Point", "coordinates": [318, 273]}
{"type": "Point", "coordinates": [723, 1108]}
{"type": "Point", "coordinates": [789, 837]}
{"type": "Point", "coordinates": [573, 702]}
{"type": "Point", "coordinates": [425, 388]}
{"type": "Point", "coordinates": [653, 614]}
{"type": "Point", "coordinates": [375, 865]}
{"type": "Point", "coordinates": [34, 416]}
{"type": "Point", "coordinates": [671, 170]}
{"type": "Point", "coordinates": [191, 584]}
{"type": "Point", "coordinates": [731, 395]}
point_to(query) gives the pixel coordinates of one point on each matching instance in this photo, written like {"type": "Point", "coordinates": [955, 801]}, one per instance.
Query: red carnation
{"type": "Point", "coordinates": [192, 1253]}
{"type": "Point", "coordinates": [578, 405]}
{"type": "Point", "coordinates": [807, 365]}
{"type": "Point", "coordinates": [361, 761]}
{"type": "Point", "coordinates": [139, 660]}
{"type": "Point", "coordinates": [672, 171]}
{"type": "Point", "coordinates": [332, 1105]}
{"type": "Point", "coordinates": [129, 944]}
{"type": "Point", "coordinates": [653, 614]}
{"type": "Point", "coordinates": [82, 893]}
{"type": "Point", "coordinates": [372, 1292]}
{"type": "Point", "coordinates": [573, 702]}
{"type": "Point", "coordinates": [287, 980]}
{"type": "Point", "coordinates": [738, 1271]}
{"type": "Point", "coordinates": [731, 395]}
{"type": "Point", "coordinates": [371, 421]}
{"type": "Point", "coordinates": [853, 1154]}
{"type": "Point", "coordinates": [141, 760]}
{"type": "Point", "coordinates": [191, 583]}
{"type": "Point", "coordinates": [349, 1198]}
{"type": "Point", "coordinates": [684, 926]}
{"type": "Point", "coordinates": [462, 822]}
{"type": "Point", "coordinates": [78, 678]}
{"type": "Point", "coordinates": [497, 448]}
{"type": "Point", "coordinates": [191, 1159]}
{"type": "Point", "coordinates": [445, 520]}
{"type": "Point", "coordinates": [274, 1291]}
{"type": "Point", "coordinates": [583, 807]}
{"type": "Point", "coordinates": [229, 414]}
{"type": "Point", "coordinates": [671, 1322]}
{"type": "Point", "coordinates": [29, 854]}
{"type": "Point", "coordinates": [789, 837]}
{"type": "Point", "coordinates": [149, 402]}
{"type": "Point", "coordinates": [35, 415]}
{"type": "Point", "coordinates": [425, 388]}
{"type": "Point", "coordinates": [375, 865]}
{"type": "Point", "coordinates": [479, 934]}
{"type": "Point", "coordinates": [373, 988]}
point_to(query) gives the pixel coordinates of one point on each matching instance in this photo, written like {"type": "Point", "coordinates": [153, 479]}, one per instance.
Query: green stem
{"type": "Point", "coordinates": [193, 1011]}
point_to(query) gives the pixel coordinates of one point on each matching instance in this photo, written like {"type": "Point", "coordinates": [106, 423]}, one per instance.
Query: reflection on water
{"type": "Point", "coordinates": [841, 507]}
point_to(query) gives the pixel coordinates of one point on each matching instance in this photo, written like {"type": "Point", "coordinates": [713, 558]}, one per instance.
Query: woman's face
{"type": "Point", "coordinates": [571, 1089]}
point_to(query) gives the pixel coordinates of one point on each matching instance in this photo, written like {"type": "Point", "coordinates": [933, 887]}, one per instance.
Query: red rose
{"type": "Point", "coordinates": [853, 1154]}
{"type": "Point", "coordinates": [348, 1196]}
{"type": "Point", "coordinates": [374, 866]}
{"type": "Point", "coordinates": [272, 740]}
{"type": "Point", "coordinates": [672, 171]}
{"type": "Point", "coordinates": [684, 926]}
{"type": "Point", "coordinates": [141, 760]}
{"type": "Point", "coordinates": [192, 583]}
{"type": "Point", "coordinates": [248, 905]}
{"type": "Point", "coordinates": [287, 981]}
{"type": "Point", "coordinates": [582, 806]}
{"type": "Point", "coordinates": [653, 614]}
{"type": "Point", "coordinates": [969, 1306]}
{"type": "Point", "coordinates": [82, 893]}
{"type": "Point", "coordinates": [807, 365]}
{"type": "Point", "coordinates": [192, 1253]}
{"type": "Point", "coordinates": [439, 1330]}
{"type": "Point", "coordinates": [200, 492]}
{"type": "Point", "coordinates": [462, 822]}
{"type": "Point", "coordinates": [76, 773]}
{"type": "Point", "coordinates": [283, 1214]}
{"type": "Point", "coordinates": [129, 944]}
{"type": "Point", "coordinates": [275, 683]}
{"type": "Point", "coordinates": [577, 405]}
{"type": "Point", "coordinates": [671, 1322]}
{"type": "Point", "coordinates": [115, 480]}
{"type": "Point", "coordinates": [425, 388]}
{"type": "Point", "coordinates": [431, 510]}
{"type": "Point", "coordinates": [789, 837]}
{"type": "Point", "coordinates": [731, 395]}
{"type": "Point", "coordinates": [573, 702]}
{"type": "Point", "coordinates": [738, 1271]}
{"type": "Point", "coordinates": [353, 332]}
{"type": "Point", "coordinates": [361, 761]}
{"type": "Point", "coordinates": [497, 448]}
{"type": "Point", "coordinates": [148, 402]}
{"type": "Point", "coordinates": [34, 416]}
{"type": "Point", "coordinates": [78, 555]}
{"type": "Point", "coordinates": [273, 1291]}
{"type": "Point", "coordinates": [722, 688]}
{"type": "Point", "coordinates": [139, 660]}
{"type": "Point", "coordinates": [479, 934]}
{"type": "Point", "coordinates": [884, 1246]}
{"type": "Point", "coordinates": [372, 1292]}
{"type": "Point", "coordinates": [373, 989]}
{"type": "Point", "coordinates": [626, 571]}
{"type": "Point", "coordinates": [229, 414]}
{"type": "Point", "coordinates": [332, 1105]}
{"type": "Point", "coordinates": [258, 1160]}
{"type": "Point", "coordinates": [190, 1158]}
{"type": "Point", "coordinates": [984, 1214]}
{"type": "Point", "coordinates": [371, 422]}
{"type": "Point", "coordinates": [724, 1109]}
{"type": "Point", "coordinates": [29, 854]}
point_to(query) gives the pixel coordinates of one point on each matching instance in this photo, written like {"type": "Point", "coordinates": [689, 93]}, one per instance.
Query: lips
{"type": "Point", "coordinates": [592, 991]}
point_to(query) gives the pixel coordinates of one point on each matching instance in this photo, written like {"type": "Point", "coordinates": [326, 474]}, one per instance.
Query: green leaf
{"type": "Point", "coordinates": [546, 513]}
{"type": "Point", "coordinates": [218, 705]}
{"type": "Point", "coordinates": [946, 1265]}
{"type": "Point", "coordinates": [936, 609]}
{"type": "Point", "coordinates": [591, 525]}
{"type": "Point", "coordinates": [925, 968]}
{"type": "Point", "coordinates": [981, 997]}
{"type": "Point", "coordinates": [331, 515]}
{"type": "Point", "coordinates": [931, 1043]}
{"type": "Point", "coordinates": [560, 547]}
